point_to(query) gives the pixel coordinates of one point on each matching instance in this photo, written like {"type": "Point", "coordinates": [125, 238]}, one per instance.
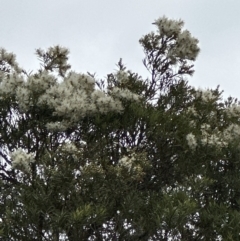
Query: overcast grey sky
{"type": "Point", "coordinates": [99, 32]}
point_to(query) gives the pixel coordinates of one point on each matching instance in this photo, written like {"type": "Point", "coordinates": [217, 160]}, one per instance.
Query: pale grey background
{"type": "Point", "coordinates": [99, 32]}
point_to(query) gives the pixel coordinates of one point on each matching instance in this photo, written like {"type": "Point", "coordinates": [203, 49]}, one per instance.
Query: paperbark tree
{"type": "Point", "coordinates": [122, 159]}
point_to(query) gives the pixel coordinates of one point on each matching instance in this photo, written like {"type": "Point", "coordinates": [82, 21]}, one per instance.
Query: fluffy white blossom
{"type": "Point", "coordinates": [9, 58]}
{"type": "Point", "coordinates": [72, 99]}
{"type": "Point", "coordinates": [79, 81]}
{"type": "Point", "coordinates": [134, 164]}
{"type": "Point", "coordinates": [40, 82]}
{"type": "Point", "coordinates": [57, 126]}
{"type": "Point", "coordinates": [185, 47]}
{"type": "Point", "coordinates": [92, 169]}
{"type": "Point", "coordinates": [206, 95]}
{"type": "Point", "coordinates": [75, 97]}
{"type": "Point", "coordinates": [9, 84]}
{"type": "Point", "coordinates": [124, 94]}
{"type": "Point", "coordinates": [218, 138]}
{"type": "Point", "coordinates": [69, 147]}
{"type": "Point", "coordinates": [169, 27]}
{"type": "Point", "coordinates": [23, 98]}
{"type": "Point", "coordinates": [121, 76]}
{"type": "Point", "coordinates": [205, 127]}
{"type": "Point", "coordinates": [21, 160]}
{"type": "Point", "coordinates": [192, 110]}
{"type": "Point", "coordinates": [214, 138]}
{"type": "Point", "coordinates": [191, 139]}
{"type": "Point", "coordinates": [126, 162]}
{"type": "Point", "coordinates": [231, 132]}
{"type": "Point", "coordinates": [233, 110]}
{"type": "Point", "coordinates": [26, 91]}
{"type": "Point", "coordinates": [105, 103]}
{"type": "Point", "coordinates": [192, 123]}
{"type": "Point", "coordinates": [129, 162]}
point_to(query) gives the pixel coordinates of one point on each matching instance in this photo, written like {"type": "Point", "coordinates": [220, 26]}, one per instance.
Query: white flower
{"type": "Point", "coordinates": [219, 138]}
{"type": "Point", "coordinates": [21, 160]}
{"type": "Point", "coordinates": [124, 94]}
{"type": "Point", "coordinates": [169, 27]}
{"type": "Point", "coordinates": [75, 97]}
{"type": "Point", "coordinates": [121, 76]}
{"type": "Point", "coordinates": [97, 94]}
{"type": "Point", "coordinates": [231, 132]}
{"type": "Point", "coordinates": [185, 46]}
{"type": "Point", "coordinates": [213, 139]}
{"type": "Point", "coordinates": [233, 110]}
{"type": "Point", "coordinates": [57, 126]}
{"type": "Point", "coordinates": [80, 81]}
{"type": "Point", "coordinates": [40, 82]}
{"type": "Point", "coordinates": [69, 147]}
{"type": "Point", "coordinates": [206, 95]}
{"type": "Point", "coordinates": [9, 84]}
{"type": "Point", "coordinates": [192, 111]}
{"type": "Point", "coordinates": [192, 123]}
{"type": "Point", "coordinates": [205, 127]}
{"type": "Point", "coordinates": [10, 58]}
{"type": "Point", "coordinates": [126, 162]}
{"type": "Point", "coordinates": [191, 139]}
{"type": "Point", "coordinates": [23, 97]}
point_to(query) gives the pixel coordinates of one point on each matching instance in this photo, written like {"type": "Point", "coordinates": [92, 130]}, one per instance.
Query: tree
{"type": "Point", "coordinates": [121, 159]}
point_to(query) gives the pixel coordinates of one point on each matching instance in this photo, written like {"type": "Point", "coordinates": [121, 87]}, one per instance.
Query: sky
{"type": "Point", "coordinates": [100, 32]}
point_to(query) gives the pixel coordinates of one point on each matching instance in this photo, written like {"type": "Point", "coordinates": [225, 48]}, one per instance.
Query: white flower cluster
{"type": "Point", "coordinates": [133, 166]}
{"type": "Point", "coordinates": [191, 139]}
{"type": "Point", "coordinates": [8, 85]}
{"type": "Point", "coordinates": [121, 76]}
{"type": "Point", "coordinates": [220, 138]}
{"type": "Point", "coordinates": [40, 82]}
{"type": "Point", "coordinates": [72, 98]}
{"type": "Point", "coordinates": [206, 95]}
{"type": "Point", "coordinates": [231, 132]}
{"type": "Point", "coordinates": [69, 147]}
{"type": "Point", "coordinates": [192, 124]}
{"type": "Point", "coordinates": [92, 169]}
{"type": "Point", "coordinates": [211, 137]}
{"type": "Point", "coordinates": [169, 27]}
{"type": "Point", "coordinates": [75, 98]}
{"type": "Point", "coordinates": [57, 126]}
{"type": "Point", "coordinates": [105, 103]}
{"type": "Point", "coordinates": [21, 160]}
{"type": "Point", "coordinates": [186, 46]}
{"type": "Point", "coordinates": [25, 91]}
{"type": "Point", "coordinates": [23, 95]}
{"type": "Point", "coordinates": [124, 94]}
{"type": "Point", "coordinates": [215, 137]}
{"type": "Point", "coordinates": [233, 110]}
{"type": "Point", "coordinates": [9, 58]}
{"type": "Point", "coordinates": [129, 163]}
{"type": "Point", "coordinates": [192, 110]}
{"type": "Point", "coordinates": [126, 162]}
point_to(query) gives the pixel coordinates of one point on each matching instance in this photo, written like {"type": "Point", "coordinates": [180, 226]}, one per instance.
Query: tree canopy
{"type": "Point", "coordinates": [120, 158]}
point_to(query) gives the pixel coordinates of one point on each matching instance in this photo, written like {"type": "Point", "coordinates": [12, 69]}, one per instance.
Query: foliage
{"type": "Point", "coordinates": [121, 159]}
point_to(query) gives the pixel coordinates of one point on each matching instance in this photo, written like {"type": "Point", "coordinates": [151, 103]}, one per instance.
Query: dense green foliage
{"type": "Point", "coordinates": [120, 159]}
